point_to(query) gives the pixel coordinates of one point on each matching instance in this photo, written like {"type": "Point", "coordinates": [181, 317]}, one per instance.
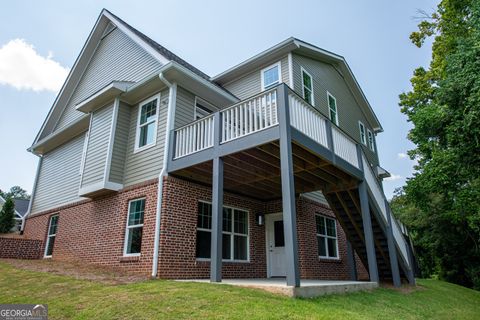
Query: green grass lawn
{"type": "Point", "coordinates": [68, 297]}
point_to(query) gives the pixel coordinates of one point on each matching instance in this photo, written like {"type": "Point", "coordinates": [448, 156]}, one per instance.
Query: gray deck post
{"type": "Point", "coordinates": [352, 265]}
{"type": "Point", "coordinates": [410, 272]}
{"type": "Point", "coordinates": [331, 147]}
{"type": "Point", "coordinates": [392, 250]}
{"type": "Point", "coordinates": [288, 188]}
{"type": "Point", "coordinates": [217, 209]}
{"type": "Point", "coordinates": [367, 222]}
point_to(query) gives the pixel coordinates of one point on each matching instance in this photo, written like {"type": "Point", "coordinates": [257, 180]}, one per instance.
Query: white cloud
{"type": "Point", "coordinates": [393, 177]}
{"type": "Point", "coordinates": [24, 69]}
{"type": "Point", "coordinates": [402, 155]}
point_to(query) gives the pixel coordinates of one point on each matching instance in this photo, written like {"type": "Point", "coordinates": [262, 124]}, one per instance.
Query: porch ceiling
{"type": "Point", "coordinates": [256, 172]}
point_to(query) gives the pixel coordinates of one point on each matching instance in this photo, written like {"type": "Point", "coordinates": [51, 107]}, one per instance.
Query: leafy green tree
{"type": "Point", "coordinates": [444, 108]}
{"type": "Point", "coordinates": [7, 216]}
{"type": "Point", "coordinates": [16, 192]}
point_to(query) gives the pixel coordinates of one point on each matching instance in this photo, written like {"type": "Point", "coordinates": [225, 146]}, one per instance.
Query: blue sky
{"type": "Point", "coordinates": [212, 35]}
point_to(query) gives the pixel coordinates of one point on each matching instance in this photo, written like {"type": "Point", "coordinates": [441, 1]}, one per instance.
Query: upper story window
{"type": "Point", "coordinates": [326, 237]}
{"type": "Point", "coordinates": [146, 135]}
{"type": "Point", "coordinates": [134, 230]}
{"type": "Point", "coordinates": [332, 108]}
{"type": "Point", "coordinates": [363, 135]}
{"type": "Point", "coordinates": [270, 76]}
{"type": "Point", "coordinates": [371, 143]}
{"type": "Point", "coordinates": [202, 109]}
{"type": "Point", "coordinates": [52, 233]}
{"type": "Point", "coordinates": [235, 233]}
{"type": "Point", "coordinates": [307, 86]}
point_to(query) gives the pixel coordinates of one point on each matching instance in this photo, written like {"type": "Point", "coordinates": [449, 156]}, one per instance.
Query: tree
{"type": "Point", "coordinates": [7, 216]}
{"type": "Point", "coordinates": [444, 108]}
{"type": "Point", "coordinates": [16, 192]}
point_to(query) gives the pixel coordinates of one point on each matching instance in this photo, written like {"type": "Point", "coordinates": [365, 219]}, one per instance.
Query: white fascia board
{"type": "Point", "coordinates": [107, 93]}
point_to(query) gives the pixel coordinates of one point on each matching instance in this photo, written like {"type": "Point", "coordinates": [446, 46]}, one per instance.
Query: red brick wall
{"type": "Point", "coordinates": [93, 231]}
{"type": "Point", "coordinates": [17, 248]}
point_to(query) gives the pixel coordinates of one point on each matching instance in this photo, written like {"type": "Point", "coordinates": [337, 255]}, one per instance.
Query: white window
{"type": "Point", "coordinates": [371, 143]}
{"type": "Point", "coordinates": [146, 135]}
{"type": "Point", "coordinates": [363, 136]}
{"type": "Point", "coordinates": [327, 237]}
{"type": "Point", "coordinates": [134, 230]}
{"type": "Point", "coordinates": [270, 76]}
{"type": "Point", "coordinates": [235, 233]}
{"type": "Point", "coordinates": [202, 109]}
{"type": "Point", "coordinates": [52, 233]}
{"type": "Point", "coordinates": [307, 85]}
{"type": "Point", "coordinates": [332, 107]}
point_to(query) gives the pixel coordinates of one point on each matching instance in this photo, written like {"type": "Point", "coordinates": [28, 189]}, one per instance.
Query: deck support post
{"type": "Point", "coordinates": [367, 221]}
{"type": "Point", "coordinates": [411, 261]}
{"type": "Point", "coordinates": [217, 207]}
{"type": "Point", "coordinates": [288, 189]}
{"type": "Point", "coordinates": [392, 250]}
{"type": "Point", "coordinates": [352, 265]}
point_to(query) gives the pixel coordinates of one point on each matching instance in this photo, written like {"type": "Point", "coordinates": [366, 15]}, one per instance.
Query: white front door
{"type": "Point", "coordinates": [275, 245]}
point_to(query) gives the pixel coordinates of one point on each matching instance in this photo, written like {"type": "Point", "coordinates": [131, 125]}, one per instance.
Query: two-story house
{"type": "Point", "coordinates": [269, 169]}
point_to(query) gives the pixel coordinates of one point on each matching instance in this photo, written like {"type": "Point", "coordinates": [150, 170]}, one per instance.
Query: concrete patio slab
{"type": "Point", "coordinates": [307, 289]}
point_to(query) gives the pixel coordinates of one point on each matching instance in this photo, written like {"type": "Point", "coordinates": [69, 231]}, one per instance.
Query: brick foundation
{"type": "Point", "coordinates": [93, 231]}
{"type": "Point", "coordinates": [19, 248]}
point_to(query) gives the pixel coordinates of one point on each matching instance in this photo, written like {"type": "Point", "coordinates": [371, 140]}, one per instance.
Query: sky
{"type": "Point", "coordinates": [40, 40]}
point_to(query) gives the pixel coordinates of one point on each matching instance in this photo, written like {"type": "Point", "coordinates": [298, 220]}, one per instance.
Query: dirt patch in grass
{"type": "Point", "coordinates": [405, 288]}
{"type": "Point", "coordinates": [76, 269]}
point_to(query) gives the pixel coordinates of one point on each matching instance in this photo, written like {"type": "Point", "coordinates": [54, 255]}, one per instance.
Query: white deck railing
{"type": "Point", "coordinates": [249, 116]}
{"type": "Point", "coordinates": [307, 120]}
{"type": "Point", "coordinates": [380, 200]}
{"type": "Point", "coordinates": [194, 137]}
{"type": "Point", "coordinates": [345, 147]}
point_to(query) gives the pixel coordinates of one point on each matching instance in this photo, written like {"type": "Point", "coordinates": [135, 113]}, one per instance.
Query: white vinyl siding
{"type": "Point", "coordinates": [117, 58]}
{"type": "Point", "coordinates": [97, 146]}
{"type": "Point", "coordinates": [59, 177]}
{"type": "Point", "coordinates": [119, 150]}
{"type": "Point", "coordinates": [250, 84]}
{"type": "Point", "coordinates": [316, 196]}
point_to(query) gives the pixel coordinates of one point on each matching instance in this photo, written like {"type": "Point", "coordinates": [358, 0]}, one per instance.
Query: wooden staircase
{"type": "Point", "coordinates": [346, 206]}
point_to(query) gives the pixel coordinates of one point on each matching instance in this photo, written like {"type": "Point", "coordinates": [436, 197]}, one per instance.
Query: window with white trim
{"type": "Point", "coordinates": [134, 229]}
{"type": "Point", "coordinates": [371, 143]}
{"type": "Point", "coordinates": [52, 233]}
{"type": "Point", "coordinates": [202, 109]}
{"type": "Point", "coordinates": [363, 135]}
{"type": "Point", "coordinates": [326, 237]}
{"type": "Point", "coordinates": [307, 87]}
{"type": "Point", "coordinates": [270, 76]}
{"type": "Point", "coordinates": [235, 233]}
{"type": "Point", "coordinates": [332, 107]}
{"type": "Point", "coordinates": [146, 134]}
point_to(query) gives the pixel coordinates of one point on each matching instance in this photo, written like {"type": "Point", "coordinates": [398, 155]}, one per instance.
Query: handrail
{"type": "Point", "coordinates": [194, 137]}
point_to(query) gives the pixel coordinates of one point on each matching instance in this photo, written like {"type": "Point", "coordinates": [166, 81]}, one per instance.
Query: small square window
{"type": "Point", "coordinates": [270, 76]}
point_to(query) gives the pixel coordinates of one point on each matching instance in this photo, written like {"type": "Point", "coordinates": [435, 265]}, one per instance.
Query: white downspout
{"type": "Point", "coordinates": [32, 196]}
{"type": "Point", "coordinates": [172, 96]}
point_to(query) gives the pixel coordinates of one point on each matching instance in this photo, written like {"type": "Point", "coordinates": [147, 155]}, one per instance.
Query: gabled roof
{"type": "Point", "coordinates": [307, 49]}
{"type": "Point", "coordinates": [105, 19]}
{"type": "Point", "coordinates": [21, 206]}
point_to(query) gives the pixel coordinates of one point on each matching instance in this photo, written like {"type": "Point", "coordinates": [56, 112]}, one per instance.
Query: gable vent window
{"type": "Point", "coordinates": [332, 106]}
{"type": "Point", "coordinates": [235, 233]}
{"type": "Point", "coordinates": [371, 143]}
{"type": "Point", "coordinates": [202, 109]}
{"type": "Point", "coordinates": [326, 237]}
{"type": "Point", "coordinates": [146, 135]}
{"type": "Point", "coordinates": [307, 85]}
{"type": "Point", "coordinates": [52, 233]}
{"type": "Point", "coordinates": [363, 136]}
{"type": "Point", "coordinates": [270, 76]}
{"type": "Point", "coordinates": [134, 231]}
